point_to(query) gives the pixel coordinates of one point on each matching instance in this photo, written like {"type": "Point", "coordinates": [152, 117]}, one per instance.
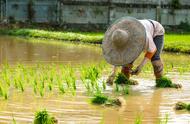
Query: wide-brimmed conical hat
{"type": "Point", "coordinates": [124, 41]}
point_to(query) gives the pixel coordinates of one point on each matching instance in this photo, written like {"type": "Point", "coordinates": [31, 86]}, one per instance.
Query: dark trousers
{"type": "Point", "coordinates": [159, 42]}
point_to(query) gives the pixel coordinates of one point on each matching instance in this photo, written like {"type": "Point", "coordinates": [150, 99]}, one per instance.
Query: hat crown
{"type": "Point", "coordinates": [120, 38]}
{"type": "Point", "coordinates": [123, 41]}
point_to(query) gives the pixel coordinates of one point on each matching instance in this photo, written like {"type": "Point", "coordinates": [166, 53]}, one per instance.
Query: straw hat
{"type": "Point", "coordinates": [124, 41]}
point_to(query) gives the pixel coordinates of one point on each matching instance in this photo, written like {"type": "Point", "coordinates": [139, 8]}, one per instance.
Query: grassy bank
{"type": "Point", "coordinates": [173, 42]}
{"type": "Point", "coordinates": [65, 36]}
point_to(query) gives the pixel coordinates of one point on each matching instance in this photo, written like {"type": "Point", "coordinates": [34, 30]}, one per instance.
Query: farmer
{"type": "Point", "coordinates": [126, 39]}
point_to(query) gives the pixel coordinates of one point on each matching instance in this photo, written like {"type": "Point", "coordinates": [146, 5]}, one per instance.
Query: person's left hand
{"type": "Point", "coordinates": [137, 70]}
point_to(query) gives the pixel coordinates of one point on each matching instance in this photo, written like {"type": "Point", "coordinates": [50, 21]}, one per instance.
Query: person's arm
{"type": "Point", "coordinates": [147, 57]}
{"type": "Point", "coordinates": [112, 76]}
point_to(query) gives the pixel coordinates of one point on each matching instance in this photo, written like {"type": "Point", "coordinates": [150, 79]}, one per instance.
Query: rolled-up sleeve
{"type": "Point", "coordinates": [151, 48]}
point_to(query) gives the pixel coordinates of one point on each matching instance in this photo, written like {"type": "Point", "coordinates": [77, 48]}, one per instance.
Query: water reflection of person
{"type": "Point", "coordinates": [147, 107]}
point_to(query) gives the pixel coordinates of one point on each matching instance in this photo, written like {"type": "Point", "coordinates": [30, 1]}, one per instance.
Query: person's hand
{"type": "Point", "coordinates": [110, 79]}
{"type": "Point", "coordinates": [137, 70]}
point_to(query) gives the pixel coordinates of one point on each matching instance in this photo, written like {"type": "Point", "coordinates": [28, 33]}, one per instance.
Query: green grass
{"type": "Point", "coordinates": [57, 35]}
{"type": "Point", "coordinates": [177, 43]}
{"type": "Point", "coordinates": [173, 42]}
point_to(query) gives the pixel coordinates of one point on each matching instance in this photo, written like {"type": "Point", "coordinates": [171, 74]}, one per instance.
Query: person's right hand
{"type": "Point", "coordinates": [110, 80]}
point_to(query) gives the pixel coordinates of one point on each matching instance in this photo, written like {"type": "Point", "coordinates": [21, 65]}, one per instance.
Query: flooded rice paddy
{"type": "Point", "coordinates": [145, 101]}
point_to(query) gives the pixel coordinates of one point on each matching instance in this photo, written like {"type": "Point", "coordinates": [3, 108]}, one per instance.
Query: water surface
{"type": "Point", "coordinates": [145, 100]}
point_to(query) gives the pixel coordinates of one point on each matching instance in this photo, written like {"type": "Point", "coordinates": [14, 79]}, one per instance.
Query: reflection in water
{"type": "Point", "coordinates": [145, 100]}
{"type": "Point", "coordinates": [16, 50]}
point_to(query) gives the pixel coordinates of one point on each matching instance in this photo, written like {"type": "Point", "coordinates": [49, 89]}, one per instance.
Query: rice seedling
{"type": "Point", "coordinates": [138, 120]}
{"type": "Point", "coordinates": [15, 83]}
{"type": "Point", "coordinates": [35, 85]}
{"type": "Point", "coordinates": [70, 80]}
{"type": "Point", "coordinates": [182, 106]}
{"type": "Point", "coordinates": [117, 87]}
{"type": "Point", "coordinates": [164, 120]}
{"type": "Point", "coordinates": [188, 107]}
{"type": "Point", "coordinates": [1, 90]}
{"type": "Point", "coordinates": [61, 88]}
{"type": "Point", "coordinates": [89, 77]}
{"type": "Point", "coordinates": [21, 85]}
{"type": "Point", "coordinates": [86, 84]}
{"type": "Point", "coordinates": [43, 117]}
{"type": "Point", "coordinates": [49, 86]}
{"type": "Point", "coordinates": [5, 75]}
{"type": "Point", "coordinates": [99, 99]}
{"type": "Point", "coordinates": [166, 82]}
{"type": "Point", "coordinates": [122, 79]}
{"type": "Point", "coordinates": [104, 85]}
{"type": "Point", "coordinates": [41, 90]}
{"type": "Point", "coordinates": [14, 121]}
{"type": "Point", "coordinates": [97, 88]}
{"type": "Point", "coordinates": [126, 89]}
{"type": "Point", "coordinates": [5, 93]}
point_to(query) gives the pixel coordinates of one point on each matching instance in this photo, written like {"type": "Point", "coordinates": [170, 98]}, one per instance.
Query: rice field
{"type": "Point", "coordinates": [46, 78]}
{"type": "Point", "coordinates": [56, 91]}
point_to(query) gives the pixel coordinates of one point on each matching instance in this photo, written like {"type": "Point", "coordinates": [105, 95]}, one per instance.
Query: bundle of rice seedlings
{"type": "Point", "coordinates": [164, 82]}
{"type": "Point", "coordinates": [122, 79]}
{"type": "Point", "coordinates": [43, 117]}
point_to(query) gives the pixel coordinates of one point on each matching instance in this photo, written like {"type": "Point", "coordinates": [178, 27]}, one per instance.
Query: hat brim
{"type": "Point", "coordinates": [137, 41]}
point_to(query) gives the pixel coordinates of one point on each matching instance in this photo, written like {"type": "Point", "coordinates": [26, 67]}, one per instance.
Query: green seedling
{"type": "Point", "coordinates": [68, 80]}
{"type": "Point", "coordinates": [164, 82]}
{"type": "Point", "coordinates": [164, 120]}
{"type": "Point", "coordinates": [50, 86]}
{"type": "Point", "coordinates": [35, 88]}
{"type": "Point", "coordinates": [138, 119]}
{"type": "Point", "coordinates": [1, 90]}
{"type": "Point", "coordinates": [43, 117]}
{"type": "Point", "coordinates": [188, 107]}
{"type": "Point", "coordinates": [15, 83]}
{"type": "Point", "coordinates": [99, 99]}
{"type": "Point", "coordinates": [98, 89]}
{"type": "Point", "coordinates": [5, 95]}
{"type": "Point", "coordinates": [122, 79]}
{"type": "Point", "coordinates": [73, 80]}
{"type": "Point", "coordinates": [126, 89]}
{"type": "Point", "coordinates": [104, 85]}
{"type": "Point", "coordinates": [61, 88]}
{"type": "Point", "coordinates": [180, 106]}
{"type": "Point", "coordinates": [13, 121]}
{"type": "Point", "coordinates": [21, 86]}
{"type": "Point", "coordinates": [87, 85]}
{"type": "Point", "coordinates": [41, 91]}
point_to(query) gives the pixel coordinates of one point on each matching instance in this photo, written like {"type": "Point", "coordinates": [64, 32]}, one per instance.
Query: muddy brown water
{"type": "Point", "coordinates": [144, 101]}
